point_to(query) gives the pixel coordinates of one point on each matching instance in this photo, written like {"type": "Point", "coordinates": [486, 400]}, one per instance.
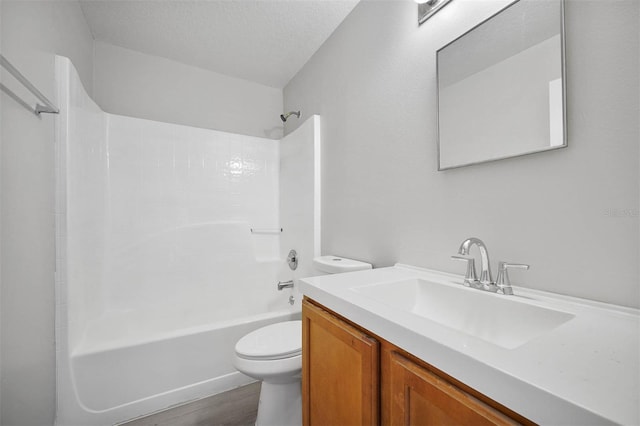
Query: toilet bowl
{"type": "Point", "coordinates": [273, 354]}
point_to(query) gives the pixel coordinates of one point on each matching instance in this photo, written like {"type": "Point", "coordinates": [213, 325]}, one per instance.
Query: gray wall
{"type": "Point", "coordinates": [144, 86]}
{"type": "Point", "coordinates": [32, 31]}
{"type": "Point", "coordinates": [571, 213]}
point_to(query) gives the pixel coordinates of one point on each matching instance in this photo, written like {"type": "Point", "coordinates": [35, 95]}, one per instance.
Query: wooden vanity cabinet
{"type": "Point", "coordinates": [352, 377]}
{"type": "Point", "coordinates": [417, 396]}
{"type": "Point", "coordinates": [339, 371]}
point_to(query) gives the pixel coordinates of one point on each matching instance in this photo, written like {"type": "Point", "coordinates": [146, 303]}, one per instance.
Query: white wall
{"type": "Point", "coordinates": [154, 241]}
{"type": "Point", "coordinates": [156, 216]}
{"type": "Point", "coordinates": [32, 31]}
{"type": "Point", "coordinates": [144, 86]}
{"type": "Point", "coordinates": [80, 203]}
{"type": "Point", "coordinates": [572, 214]}
{"type": "Point", "coordinates": [181, 204]}
{"type": "Point", "coordinates": [300, 206]}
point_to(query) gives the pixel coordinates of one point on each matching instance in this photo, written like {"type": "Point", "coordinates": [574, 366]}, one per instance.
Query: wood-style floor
{"type": "Point", "coordinates": [237, 407]}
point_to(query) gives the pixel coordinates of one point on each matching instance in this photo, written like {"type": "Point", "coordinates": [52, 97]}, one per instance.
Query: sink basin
{"type": "Point", "coordinates": [497, 319]}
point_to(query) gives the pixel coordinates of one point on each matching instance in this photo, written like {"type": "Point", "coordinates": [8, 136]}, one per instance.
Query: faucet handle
{"type": "Point", "coordinates": [470, 277]}
{"type": "Point", "coordinates": [502, 281]}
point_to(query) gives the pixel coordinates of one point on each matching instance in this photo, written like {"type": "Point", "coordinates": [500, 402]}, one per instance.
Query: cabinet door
{"type": "Point", "coordinates": [339, 371]}
{"type": "Point", "coordinates": [419, 397]}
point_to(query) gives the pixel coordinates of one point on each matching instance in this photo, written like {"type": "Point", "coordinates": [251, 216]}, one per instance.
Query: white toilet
{"type": "Point", "coordinates": [273, 354]}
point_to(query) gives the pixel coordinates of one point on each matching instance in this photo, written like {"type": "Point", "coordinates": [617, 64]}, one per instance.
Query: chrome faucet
{"type": "Point", "coordinates": [502, 284]}
{"type": "Point", "coordinates": [485, 267]}
{"type": "Point", "coordinates": [285, 284]}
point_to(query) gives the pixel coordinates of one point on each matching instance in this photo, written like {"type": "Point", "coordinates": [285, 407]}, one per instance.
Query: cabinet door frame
{"type": "Point", "coordinates": [407, 377]}
{"type": "Point", "coordinates": [361, 342]}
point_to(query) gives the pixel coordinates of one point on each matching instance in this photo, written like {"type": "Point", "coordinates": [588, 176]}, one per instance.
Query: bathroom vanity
{"type": "Point", "coordinates": [404, 345]}
{"type": "Point", "coordinates": [351, 376]}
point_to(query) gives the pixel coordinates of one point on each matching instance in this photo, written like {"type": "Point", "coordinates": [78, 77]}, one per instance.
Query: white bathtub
{"type": "Point", "coordinates": [118, 379]}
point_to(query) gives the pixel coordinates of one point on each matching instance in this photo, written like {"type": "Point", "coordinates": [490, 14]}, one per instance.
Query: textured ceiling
{"type": "Point", "coordinates": [266, 41]}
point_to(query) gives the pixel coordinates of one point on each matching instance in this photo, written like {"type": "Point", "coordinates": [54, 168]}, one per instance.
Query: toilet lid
{"type": "Point", "coordinates": [275, 341]}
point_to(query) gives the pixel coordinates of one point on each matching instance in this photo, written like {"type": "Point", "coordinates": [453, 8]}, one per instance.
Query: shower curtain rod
{"type": "Point", "coordinates": [48, 107]}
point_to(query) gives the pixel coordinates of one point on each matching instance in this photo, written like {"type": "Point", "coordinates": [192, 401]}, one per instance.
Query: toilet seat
{"type": "Point", "coordinates": [276, 341]}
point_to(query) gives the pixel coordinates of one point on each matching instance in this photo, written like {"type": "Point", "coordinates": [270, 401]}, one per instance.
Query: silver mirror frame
{"type": "Point", "coordinates": [429, 8]}
{"type": "Point", "coordinates": [564, 91]}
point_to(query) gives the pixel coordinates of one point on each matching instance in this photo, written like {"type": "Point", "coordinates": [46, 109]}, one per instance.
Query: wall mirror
{"type": "Point", "coordinates": [501, 86]}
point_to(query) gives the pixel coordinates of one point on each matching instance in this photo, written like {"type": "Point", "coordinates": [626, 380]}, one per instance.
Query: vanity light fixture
{"type": "Point", "coordinates": [428, 8]}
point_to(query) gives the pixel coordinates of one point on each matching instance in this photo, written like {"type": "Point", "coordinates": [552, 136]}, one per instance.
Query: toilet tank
{"type": "Point", "coordinates": [336, 264]}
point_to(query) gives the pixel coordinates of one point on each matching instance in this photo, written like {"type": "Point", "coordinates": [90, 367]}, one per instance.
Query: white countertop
{"type": "Point", "coordinates": [585, 371]}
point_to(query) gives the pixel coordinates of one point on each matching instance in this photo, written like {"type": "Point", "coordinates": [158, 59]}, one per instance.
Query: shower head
{"type": "Point", "coordinates": [284, 117]}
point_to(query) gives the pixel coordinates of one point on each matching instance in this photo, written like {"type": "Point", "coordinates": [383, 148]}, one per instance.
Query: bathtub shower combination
{"type": "Point", "coordinates": [168, 251]}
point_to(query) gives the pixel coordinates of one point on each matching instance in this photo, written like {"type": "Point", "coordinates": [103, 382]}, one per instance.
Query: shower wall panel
{"type": "Point", "coordinates": [158, 272]}
{"type": "Point", "coordinates": [154, 222]}
{"type": "Point", "coordinates": [81, 159]}
{"type": "Point", "coordinates": [181, 203]}
{"type": "Point", "coordinates": [300, 207]}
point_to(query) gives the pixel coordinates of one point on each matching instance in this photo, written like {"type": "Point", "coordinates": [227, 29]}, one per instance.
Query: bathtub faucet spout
{"type": "Point", "coordinates": [285, 284]}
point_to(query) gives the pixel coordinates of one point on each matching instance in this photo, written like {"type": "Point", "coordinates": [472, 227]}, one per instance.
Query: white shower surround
{"type": "Point", "coordinates": [158, 274]}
